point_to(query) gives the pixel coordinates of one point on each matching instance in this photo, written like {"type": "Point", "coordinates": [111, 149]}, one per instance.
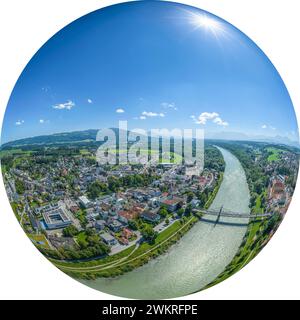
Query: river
{"type": "Point", "coordinates": [199, 256]}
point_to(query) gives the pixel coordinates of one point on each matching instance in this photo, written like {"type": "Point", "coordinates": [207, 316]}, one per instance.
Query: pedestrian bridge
{"type": "Point", "coordinates": [230, 214]}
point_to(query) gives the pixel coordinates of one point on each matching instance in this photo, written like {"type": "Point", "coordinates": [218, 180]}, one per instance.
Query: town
{"type": "Point", "coordinates": [73, 208]}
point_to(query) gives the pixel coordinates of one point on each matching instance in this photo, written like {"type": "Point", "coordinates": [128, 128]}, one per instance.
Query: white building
{"type": "Point", "coordinates": [84, 201]}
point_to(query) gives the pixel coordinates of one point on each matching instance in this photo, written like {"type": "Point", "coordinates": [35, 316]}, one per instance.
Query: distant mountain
{"type": "Point", "coordinates": [57, 138]}
{"type": "Point", "coordinates": [237, 136]}
{"type": "Point", "coordinates": [89, 136]}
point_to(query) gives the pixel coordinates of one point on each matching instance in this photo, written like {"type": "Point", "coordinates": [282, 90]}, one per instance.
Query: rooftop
{"type": "Point", "coordinates": [107, 237]}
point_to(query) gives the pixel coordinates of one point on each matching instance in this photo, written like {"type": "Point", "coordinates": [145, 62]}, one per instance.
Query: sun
{"type": "Point", "coordinates": [202, 20]}
{"type": "Point", "coordinates": [205, 22]}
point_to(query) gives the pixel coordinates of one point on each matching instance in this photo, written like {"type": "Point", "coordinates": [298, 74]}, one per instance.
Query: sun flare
{"type": "Point", "coordinates": [204, 21]}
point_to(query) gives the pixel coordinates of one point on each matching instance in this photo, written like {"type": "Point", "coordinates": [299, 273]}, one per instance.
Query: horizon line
{"type": "Point", "coordinates": [251, 139]}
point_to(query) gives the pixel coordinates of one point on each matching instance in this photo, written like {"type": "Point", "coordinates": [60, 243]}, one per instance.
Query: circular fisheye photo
{"type": "Point", "coordinates": [149, 150]}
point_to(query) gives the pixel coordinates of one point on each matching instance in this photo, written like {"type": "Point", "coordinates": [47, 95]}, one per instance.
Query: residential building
{"type": "Point", "coordinates": [150, 216]}
{"type": "Point", "coordinates": [108, 239]}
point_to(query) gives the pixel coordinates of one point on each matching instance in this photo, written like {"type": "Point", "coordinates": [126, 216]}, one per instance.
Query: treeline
{"type": "Point", "coordinates": [89, 246]}
{"type": "Point", "coordinates": [114, 184]}
{"type": "Point", "coordinates": [213, 159]}
{"type": "Point", "coordinates": [256, 176]}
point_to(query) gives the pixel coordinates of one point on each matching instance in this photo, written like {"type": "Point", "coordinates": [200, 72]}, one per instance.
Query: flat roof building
{"type": "Point", "coordinates": [56, 219]}
{"type": "Point", "coordinates": [84, 201]}
{"type": "Point", "coordinates": [150, 216]}
{"type": "Point", "coordinates": [108, 239]}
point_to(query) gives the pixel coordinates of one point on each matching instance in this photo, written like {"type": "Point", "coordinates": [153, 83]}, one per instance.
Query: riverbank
{"type": "Point", "coordinates": [201, 254]}
{"type": "Point", "coordinates": [257, 236]}
{"type": "Point", "coordinates": [135, 256]}
{"type": "Point", "coordinates": [215, 192]}
{"type": "Point", "coordinates": [259, 232]}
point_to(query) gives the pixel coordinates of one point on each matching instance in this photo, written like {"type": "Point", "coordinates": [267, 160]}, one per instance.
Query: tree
{"type": "Point", "coordinates": [20, 186]}
{"type": "Point", "coordinates": [190, 196]}
{"type": "Point", "coordinates": [180, 212]}
{"type": "Point", "coordinates": [203, 198]}
{"type": "Point", "coordinates": [113, 184]}
{"type": "Point", "coordinates": [188, 210]}
{"type": "Point", "coordinates": [133, 224]}
{"type": "Point", "coordinates": [95, 189]}
{"type": "Point", "coordinates": [83, 244]}
{"type": "Point", "coordinates": [148, 233]}
{"type": "Point", "coordinates": [70, 231]}
{"type": "Point", "coordinates": [93, 240]}
{"type": "Point", "coordinates": [163, 212]}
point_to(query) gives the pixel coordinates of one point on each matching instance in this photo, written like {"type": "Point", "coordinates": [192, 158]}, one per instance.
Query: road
{"type": "Point", "coordinates": [122, 261]}
{"type": "Point", "coordinates": [121, 247]}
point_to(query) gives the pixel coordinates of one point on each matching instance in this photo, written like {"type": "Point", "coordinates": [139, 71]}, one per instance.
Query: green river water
{"type": "Point", "coordinates": [199, 256]}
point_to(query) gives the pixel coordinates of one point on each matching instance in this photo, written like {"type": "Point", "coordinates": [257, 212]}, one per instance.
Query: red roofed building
{"type": "Point", "coordinates": [127, 215]}
{"type": "Point", "coordinates": [126, 233]}
{"type": "Point", "coordinates": [172, 204]}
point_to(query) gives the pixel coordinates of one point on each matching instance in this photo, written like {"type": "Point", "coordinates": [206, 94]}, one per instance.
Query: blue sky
{"type": "Point", "coordinates": [156, 65]}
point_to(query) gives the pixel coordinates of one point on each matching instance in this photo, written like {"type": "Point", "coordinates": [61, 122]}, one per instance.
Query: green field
{"type": "Point", "coordinates": [84, 152]}
{"type": "Point", "coordinates": [39, 240]}
{"type": "Point", "coordinates": [258, 203]}
{"type": "Point", "coordinates": [166, 156]}
{"type": "Point", "coordinates": [275, 154]}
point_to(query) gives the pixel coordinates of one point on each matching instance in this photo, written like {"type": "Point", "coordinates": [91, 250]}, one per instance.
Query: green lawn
{"type": "Point", "coordinates": [275, 154]}
{"type": "Point", "coordinates": [165, 159]}
{"type": "Point", "coordinates": [39, 240]}
{"type": "Point", "coordinates": [258, 205]}
{"type": "Point", "coordinates": [84, 152]}
{"type": "Point", "coordinates": [143, 248]}
{"type": "Point", "coordinates": [99, 262]}
{"type": "Point", "coordinates": [81, 238]}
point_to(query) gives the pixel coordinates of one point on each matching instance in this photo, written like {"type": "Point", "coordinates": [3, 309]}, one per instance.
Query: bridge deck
{"type": "Point", "coordinates": [230, 214]}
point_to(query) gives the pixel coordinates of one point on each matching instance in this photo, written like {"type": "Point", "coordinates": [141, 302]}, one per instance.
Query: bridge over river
{"type": "Point", "coordinates": [230, 214]}
{"type": "Point", "coordinates": [200, 255]}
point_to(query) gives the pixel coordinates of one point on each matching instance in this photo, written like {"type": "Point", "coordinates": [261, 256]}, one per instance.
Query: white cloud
{"type": "Point", "coordinates": [89, 100]}
{"type": "Point", "coordinates": [143, 118]}
{"type": "Point", "coordinates": [151, 114]}
{"type": "Point", "coordinates": [120, 110]}
{"type": "Point", "coordinates": [264, 126]}
{"type": "Point", "coordinates": [19, 122]}
{"type": "Point", "coordinates": [220, 122]}
{"type": "Point", "coordinates": [168, 105]}
{"type": "Point", "coordinates": [41, 121]}
{"type": "Point", "coordinates": [213, 116]}
{"type": "Point", "coordinates": [67, 105]}
{"type": "Point", "coordinates": [204, 116]}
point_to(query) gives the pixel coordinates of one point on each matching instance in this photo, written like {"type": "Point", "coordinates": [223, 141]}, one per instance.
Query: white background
{"type": "Point", "coordinates": [25, 25]}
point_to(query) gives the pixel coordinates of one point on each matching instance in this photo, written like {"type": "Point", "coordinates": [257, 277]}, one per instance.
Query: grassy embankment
{"type": "Point", "coordinates": [129, 259]}
{"type": "Point", "coordinates": [134, 256]}
{"type": "Point", "coordinates": [256, 237]}
{"type": "Point", "coordinates": [214, 193]}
